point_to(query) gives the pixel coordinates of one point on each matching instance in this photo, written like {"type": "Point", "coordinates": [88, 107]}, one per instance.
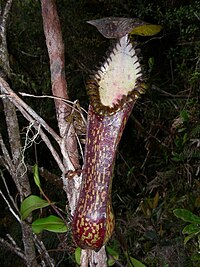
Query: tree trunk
{"type": "Point", "coordinates": [20, 176]}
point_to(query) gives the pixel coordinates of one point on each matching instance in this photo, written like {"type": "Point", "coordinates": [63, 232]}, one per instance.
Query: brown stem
{"type": "Point", "coordinates": [55, 46]}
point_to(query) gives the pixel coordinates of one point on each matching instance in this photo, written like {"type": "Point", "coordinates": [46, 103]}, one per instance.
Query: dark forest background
{"type": "Point", "coordinates": [158, 161]}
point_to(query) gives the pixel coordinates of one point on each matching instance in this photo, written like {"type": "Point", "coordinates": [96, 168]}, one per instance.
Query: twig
{"type": "Point", "coordinates": [20, 104]}
{"type": "Point", "coordinates": [3, 95]}
{"type": "Point", "coordinates": [42, 250]}
{"type": "Point", "coordinates": [6, 12]}
{"type": "Point", "coordinates": [8, 192]}
{"type": "Point", "coordinates": [68, 102]}
{"type": "Point", "coordinates": [34, 118]}
{"type": "Point", "coordinates": [164, 93]}
{"type": "Point", "coordinates": [9, 206]}
{"type": "Point", "coordinates": [45, 139]}
{"type": "Point", "coordinates": [196, 15]}
{"type": "Point", "coordinates": [3, 42]}
{"type": "Point", "coordinates": [8, 162]}
{"type": "Point", "coordinates": [17, 250]}
{"type": "Point", "coordinates": [53, 151]}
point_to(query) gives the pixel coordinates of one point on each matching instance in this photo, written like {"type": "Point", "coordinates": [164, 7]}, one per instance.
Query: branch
{"type": "Point", "coordinates": [20, 104]}
{"type": "Point", "coordinates": [34, 118]}
{"type": "Point", "coordinates": [6, 157]}
{"type": "Point", "coordinates": [42, 251]}
{"type": "Point", "coordinates": [68, 102]}
{"type": "Point", "coordinates": [11, 199]}
{"type": "Point", "coordinates": [55, 46]}
{"type": "Point", "coordinates": [9, 206]}
{"type": "Point", "coordinates": [3, 43]}
{"type": "Point", "coordinates": [167, 94]}
{"type": "Point", "coordinates": [6, 13]}
{"type": "Point", "coordinates": [13, 247]}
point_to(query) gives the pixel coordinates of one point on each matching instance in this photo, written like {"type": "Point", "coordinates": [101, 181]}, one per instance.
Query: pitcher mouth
{"type": "Point", "coordinates": [117, 81]}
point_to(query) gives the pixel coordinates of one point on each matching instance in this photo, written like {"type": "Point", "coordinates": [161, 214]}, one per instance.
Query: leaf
{"type": "Point", "coordinates": [191, 229]}
{"type": "Point", "coordinates": [134, 262]}
{"type": "Point", "coordinates": [155, 200]}
{"type": "Point", "coordinates": [36, 175]}
{"type": "Point", "coordinates": [184, 115]}
{"type": "Point", "coordinates": [151, 234]}
{"type": "Point", "coordinates": [77, 254]}
{"type": "Point", "coordinates": [150, 203]}
{"type": "Point", "coordinates": [146, 30]}
{"type": "Point", "coordinates": [186, 216]}
{"type": "Point", "coordinates": [50, 223]}
{"type": "Point", "coordinates": [151, 63]}
{"type": "Point", "coordinates": [188, 238]}
{"type": "Point", "coordinates": [114, 255]}
{"type": "Point", "coordinates": [30, 204]}
{"type": "Point", "coordinates": [195, 257]}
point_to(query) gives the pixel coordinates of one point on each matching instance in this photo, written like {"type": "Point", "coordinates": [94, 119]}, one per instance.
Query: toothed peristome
{"type": "Point", "coordinates": [117, 81]}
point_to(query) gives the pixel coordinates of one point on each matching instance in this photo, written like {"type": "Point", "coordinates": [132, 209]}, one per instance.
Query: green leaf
{"type": "Point", "coordinates": [146, 30]}
{"type": "Point", "coordinates": [30, 204]}
{"type": "Point", "coordinates": [151, 63]}
{"type": "Point", "coordinates": [191, 229]}
{"type": "Point", "coordinates": [184, 115]}
{"type": "Point", "coordinates": [114, 255]}
{"type": "Point", "coordinates": [188, 238]}
{"type": "Point", "coordinates": [185, 138]}
{"type": "Point", "coordinates": [36, 175]}
{"type": "Point", "coordinates": [78, 255]}
{"type": "Point", "coordinates": [50, 223]}
{"type": "Point", "coordinates": [134, 262]}
{"type": "Point", "coordinates": [195, 257]}
{"type": "Point", "coordinates": [186, 215]}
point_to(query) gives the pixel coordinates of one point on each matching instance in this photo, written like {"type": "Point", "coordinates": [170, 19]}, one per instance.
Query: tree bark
{"type": "Point", "coordinates": [55, 46]}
